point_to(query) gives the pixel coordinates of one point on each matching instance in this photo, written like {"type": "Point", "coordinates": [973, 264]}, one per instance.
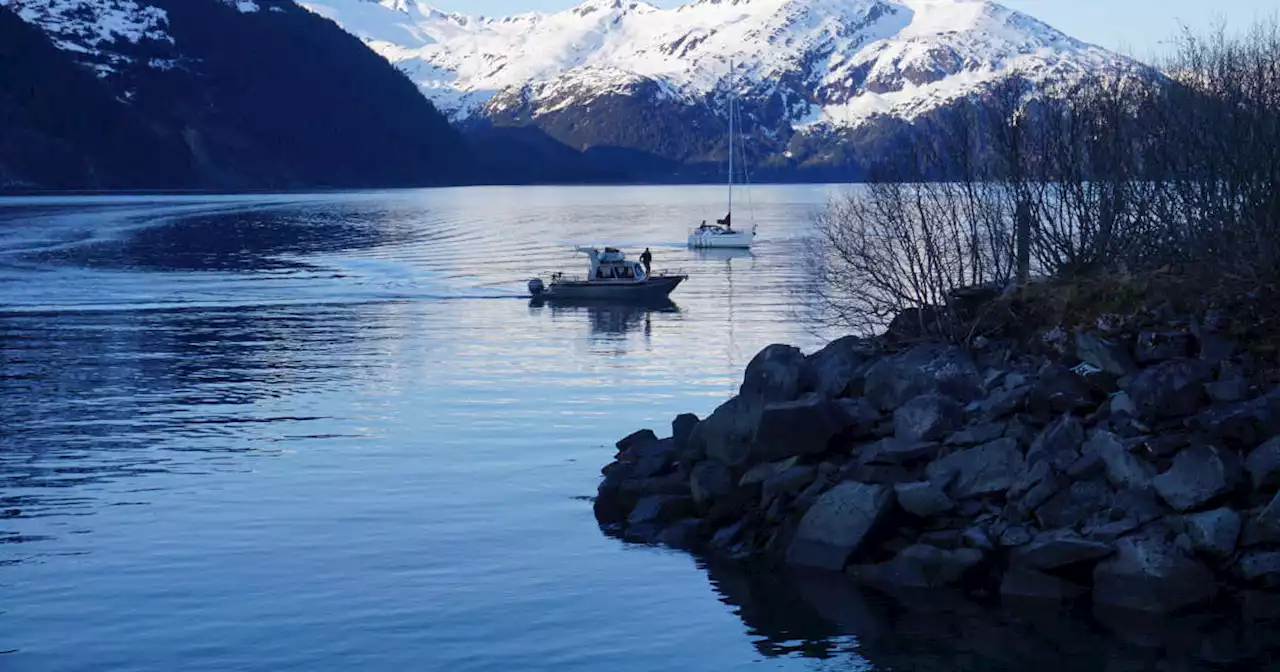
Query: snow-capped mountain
{"type": "Point", "coordinates": [805, 62]}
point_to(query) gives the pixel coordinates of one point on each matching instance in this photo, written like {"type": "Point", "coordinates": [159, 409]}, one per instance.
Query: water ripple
{"type": "Point", "coordinates": [339, 415]}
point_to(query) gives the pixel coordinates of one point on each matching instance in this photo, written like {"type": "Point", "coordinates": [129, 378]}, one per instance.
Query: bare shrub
{"type": "Point", "coordinates": [902, 249]}
{"type": "Point", "coordinates": [1128, 170]}
{"type": "Point", "coordinates": [1220, 159]}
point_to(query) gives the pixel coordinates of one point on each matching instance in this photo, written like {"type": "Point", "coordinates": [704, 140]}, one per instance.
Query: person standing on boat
{"type": "Point", "coordinates": [646, 258]}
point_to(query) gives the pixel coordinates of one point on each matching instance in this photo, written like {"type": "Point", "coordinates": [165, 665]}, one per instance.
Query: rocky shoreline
{"type": "Point", "coordinates": [1126, 471]}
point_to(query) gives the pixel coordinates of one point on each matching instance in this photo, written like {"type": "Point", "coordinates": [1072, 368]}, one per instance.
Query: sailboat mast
{"type": "Point", "coordinates": [731, 106]}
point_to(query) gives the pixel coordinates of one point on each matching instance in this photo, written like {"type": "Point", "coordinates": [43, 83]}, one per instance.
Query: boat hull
{"type": "Point", "coordinates": [737, 239]}
{"type": "Point", "coordinates": [654, 288]}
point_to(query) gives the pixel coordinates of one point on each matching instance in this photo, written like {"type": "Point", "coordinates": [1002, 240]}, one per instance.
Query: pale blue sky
{"type": "Point", "coordinates": [1136, 27]}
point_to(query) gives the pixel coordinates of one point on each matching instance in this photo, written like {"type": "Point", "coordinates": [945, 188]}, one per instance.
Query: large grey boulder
{"type": "Point", "coordinates": [1075, 505]}
{"type": "Point", "coordinates": [1243, 425]}
{"type": "Point", "coordinates": [836, 524]}
{"type": "Point", "coordinates": [729, 539]}
{"type": "Point", "coordinates": [1198, 475]}
{"type": "Point", "coordinates": [1040, 493]}
{"type": "Point", "coordinates": [681, 431]}
{"type": "Point", "coordinates": [923, 499]}
{"type": "Point", "coordinates": [1104, 354]}
{"type": "Point", "coordinates": [636, 438]}
{"type": "Point", "coordinates": [761, 472]}
{"type": "Point", "coordinates": [836, 370]}
{"type": "Point", "coordinates": [1261, 566]}
{"type": "Point", "coordinates": [894, 450]}
{"type": "Point", "coordinates": [650, 459]}
{"type": "Point", "coordinates": [774, 374]}
{"type": "Point", "coordinates": [978, 434]}
{"type": "Point", "coordinates": [1170, 389]}
{"type": "Point", "coordinates": [1058, 444]}
{"type": "Point", "coordinates": [1058, 390]}
{"type": "Point", "coordinates": [928, 417]}
{"type": "Point", "coordinates": [1261, 527]}
{"type": "Point", "coordinates": [1015, 535]}
{"type": "Point", "coordinates": [1263, 465]}
{"type": "Point", "coordinates": [1111, 531]}
{"type": "Point", "coordinates": [1124, 469]}
{"type": "Point", "coordinates": [1215, 348]}
{"type": "Point", "coordinates": [1269, 517]}
{"type": "Point", "coordinates": [683, 534]}
{"type": "Point", "coordinates": [950, 371]}
{"type": "Point", "coordinates": [1214, 532]}
{"type": "Point", "coordinates": [659, 509]}
{"type": "Point", "coordinates": [801, 427]}
{"type": "Point", "coordinates": [1029, 584]}
{"type": "Point", "coordinates": [987, 469]}
{"type": "Point", "coordinates": [1028, 479]}
{"type": "Point", "coordinates": [1089, 465]}
{"type": "Point", "coordinates": [1160, 346]}
{"type": "Point", "coordinates": [1057, 549]}
{"type": "Point", "coordinates": [1230, 391]}
{"type": "Point", "coordinates": [709, 481]}
{"type": "Point", "coordinates": [1141, 505]}
{"type": "Point", "coordinates": [1122, 404]}
{"type": "Point", "coordinates": [727, 434]}
{"type": "Point", "coordinates": [632, 490]}
{"type": "Point", "coordinates": [1003, 403]}
{"type": "Point", "coordinates": [921, 566]}
{"type": "Point", "coordinates": [1150, 573]}
{"type": "Point", "coordinates": [788, 482]}
{"type": "Point", "coordinates": [858, 415]}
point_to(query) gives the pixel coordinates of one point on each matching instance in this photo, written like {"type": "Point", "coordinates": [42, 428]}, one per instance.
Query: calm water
{"type": "Point", "coordinates": [326, 432]}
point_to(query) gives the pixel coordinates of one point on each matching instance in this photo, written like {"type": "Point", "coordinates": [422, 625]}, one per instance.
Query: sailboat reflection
{"type": "Point", "coordinates": [608, 318]}
{"type": "Point", "coordinates": [722, 253]}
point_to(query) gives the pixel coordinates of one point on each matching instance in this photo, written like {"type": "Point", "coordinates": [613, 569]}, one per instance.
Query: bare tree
{"type": "Point", "coordinates": [1130, 168]}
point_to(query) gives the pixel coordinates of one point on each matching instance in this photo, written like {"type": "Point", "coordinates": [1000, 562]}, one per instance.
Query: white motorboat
{"type": "Point", "coordinates": [611, 277]}
{"type": "Point", "coordinates": [722, 233]}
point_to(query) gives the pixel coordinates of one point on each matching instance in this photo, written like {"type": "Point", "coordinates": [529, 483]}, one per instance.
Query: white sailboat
{"type": "Point", "coordinates": [722, 233]}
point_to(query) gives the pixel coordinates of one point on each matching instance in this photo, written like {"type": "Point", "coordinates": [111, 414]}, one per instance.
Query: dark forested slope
{"type": "Point", "coordinates": [215, 95]}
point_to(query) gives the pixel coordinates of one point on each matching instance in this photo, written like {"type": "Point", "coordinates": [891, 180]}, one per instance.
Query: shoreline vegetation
{"type": "Point", "coordinates": [1063, 385]}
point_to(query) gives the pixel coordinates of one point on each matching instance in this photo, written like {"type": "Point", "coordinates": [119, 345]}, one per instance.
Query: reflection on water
{"type": "Point", "coordinates": [819, 616]}
{"type": "Point", "coordinates": [607, 318]}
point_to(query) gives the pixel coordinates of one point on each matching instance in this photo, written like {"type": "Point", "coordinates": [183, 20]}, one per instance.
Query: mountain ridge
{"type": "Point", "coordinates": [809, 73]}
{"type": "Point", "coordinates": [870, 49]}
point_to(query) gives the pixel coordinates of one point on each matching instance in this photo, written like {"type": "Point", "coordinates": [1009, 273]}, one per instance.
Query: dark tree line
{"type": "Point", "coordinates": [1123, 171]}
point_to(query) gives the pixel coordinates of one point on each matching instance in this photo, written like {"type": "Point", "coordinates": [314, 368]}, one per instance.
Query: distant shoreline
{"type": "Point", "coordinates": [342, 190]}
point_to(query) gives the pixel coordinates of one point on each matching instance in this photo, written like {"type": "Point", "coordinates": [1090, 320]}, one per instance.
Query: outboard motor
{"type": "Point", "coordinates": [535, 286]}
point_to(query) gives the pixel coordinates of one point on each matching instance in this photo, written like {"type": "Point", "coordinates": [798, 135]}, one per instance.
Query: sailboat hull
{"type": "Point", "coordinates": [732, 239]}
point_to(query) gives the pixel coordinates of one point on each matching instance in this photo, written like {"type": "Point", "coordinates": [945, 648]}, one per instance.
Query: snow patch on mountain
{"type": "Point", "coordinates": [91, 23]}
{"type": "Point", "coordinates": [832, 62]}
{"type": "Point", "coordinates": [97, 30]}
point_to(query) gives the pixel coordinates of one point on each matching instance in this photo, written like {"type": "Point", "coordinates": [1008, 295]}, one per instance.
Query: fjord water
{"type": "Point", "coordinates": [329, 431]}
{"type": "Point", "coordinates": [314, 432]}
